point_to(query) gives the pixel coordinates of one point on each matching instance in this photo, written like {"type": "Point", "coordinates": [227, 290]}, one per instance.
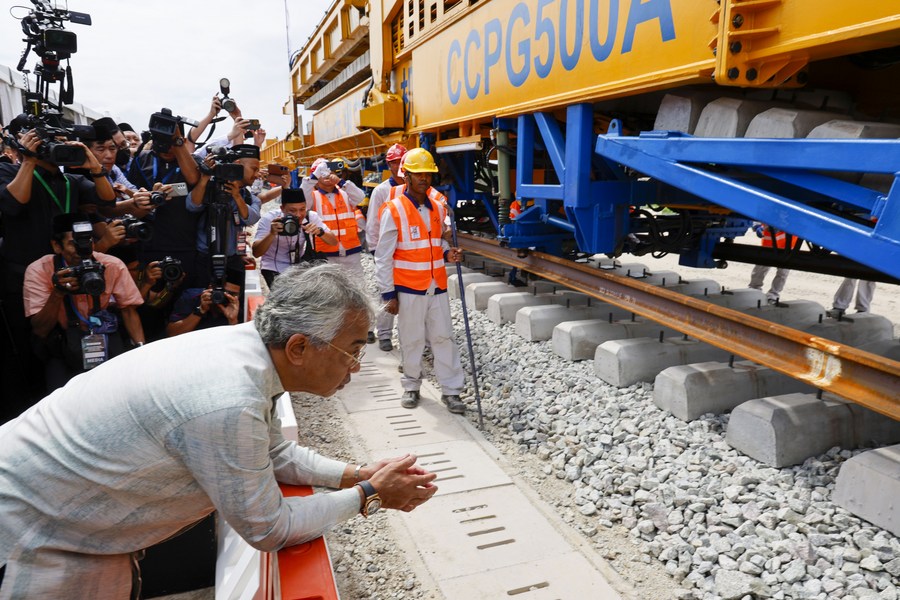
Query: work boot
{"type": "Point", "coordinates": [835, 313]}
{"type": "Point", "coordinates": [410, 399]}
{"type": "Point", "coordinates": [370, 338]}
{"type": "Point", "coordinates": [385, 345]}
{"type": "Point", "coordinates": [453, 403]}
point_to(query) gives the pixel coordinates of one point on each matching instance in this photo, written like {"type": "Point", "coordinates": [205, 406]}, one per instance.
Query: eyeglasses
{"type": "Point", "coordinates": [356, 358]}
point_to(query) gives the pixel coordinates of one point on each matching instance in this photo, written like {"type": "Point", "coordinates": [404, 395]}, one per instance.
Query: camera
{"type": "Point", "coordinates": [225, 169]}
{"type": "Point", "coordinates": [44, 33]}
{"type": "Point", "coordinates": [89, 272]}
{"type": "Point", "coordinates": [219, 262]}
{"type": "Point", "coordinates": [227, 103]}
{"type": "Point", "coordinates": [335, 165]}
{"type": "Point", "coordinates": [137, 229]}
{"type": "Point", "coordinates": [157, 198]}
{"type": "Point", "coordinates": [171, 269]}
{"type": "Point", "coordinates": [163, 125]}
{"type": "Point", "coordinates": [290, 225]}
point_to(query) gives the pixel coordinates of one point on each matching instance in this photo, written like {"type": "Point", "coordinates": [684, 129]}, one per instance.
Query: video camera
{"type": "Point", "coordinates": [225, 169]}
{"type": "Point", "coordinates": [163, 126]}
{"type": "Point", "coordinates": [89, 272]}
{"type": "Point", "coordinates": [44, 32]}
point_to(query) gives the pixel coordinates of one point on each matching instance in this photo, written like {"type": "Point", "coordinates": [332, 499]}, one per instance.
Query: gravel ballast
{"type": "Point", "coordinates": [676, 511]}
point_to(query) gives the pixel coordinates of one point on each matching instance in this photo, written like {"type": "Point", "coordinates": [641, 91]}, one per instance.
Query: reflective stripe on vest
{"type": "Point", "coordinates": [515, 209]}
{"type": "Point", "coordinates": [340, 219]}
{"type": "Point", "coordinates": [418, 260]}
{"type": "Point", "coordinates": [780, 239]}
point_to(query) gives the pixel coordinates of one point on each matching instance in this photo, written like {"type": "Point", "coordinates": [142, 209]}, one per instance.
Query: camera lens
{"type": "Point", "coordinates": [290, 226]}
{"type": "Point", "coordinates": [229, 105]}
{"type": "Point", "coordinates": [157, 198]}
{"type": "Point", "coordinates": [172, 272]}
{"type": "Point", "coordinates": [218, 296]}
{"type": "Point", "coordinates": [92, 283]}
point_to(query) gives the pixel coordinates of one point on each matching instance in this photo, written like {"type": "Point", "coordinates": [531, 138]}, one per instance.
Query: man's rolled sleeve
{"type": "Point", "coordinates": [228, 453]}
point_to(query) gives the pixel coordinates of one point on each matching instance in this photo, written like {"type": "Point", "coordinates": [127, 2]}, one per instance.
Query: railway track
{"type": "Point", "coordinates": [862, 377]}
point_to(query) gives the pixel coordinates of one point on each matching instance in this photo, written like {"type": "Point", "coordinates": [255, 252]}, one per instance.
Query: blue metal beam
{"type": "Point", "coordinates": [553, 141]}
{"type": "Point", "coordinates": [663, 158]}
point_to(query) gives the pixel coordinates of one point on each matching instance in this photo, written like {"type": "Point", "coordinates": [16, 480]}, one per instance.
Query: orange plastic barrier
{"type": "Point", "coordinates": [304, 570]}
{"type": "Point", "coordinates": [253, 303]}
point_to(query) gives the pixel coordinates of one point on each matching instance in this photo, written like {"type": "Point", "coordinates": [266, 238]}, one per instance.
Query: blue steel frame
{"type": "Point", "coordinates": [778, 182]}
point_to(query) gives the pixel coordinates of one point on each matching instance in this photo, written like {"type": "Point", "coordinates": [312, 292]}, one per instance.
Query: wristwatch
{"type": "Point", "coordinates": [372, 503]}
{"type": "Point", "coordinates": [178, 141]}
{"type": "Point", "coordinates": [103, 173]}
{"type": "Point", "coordinates": [198, 311]}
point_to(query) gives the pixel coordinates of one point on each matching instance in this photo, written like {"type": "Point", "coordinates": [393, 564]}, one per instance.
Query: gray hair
{"type": "Point", "coordinates": [312, 301]}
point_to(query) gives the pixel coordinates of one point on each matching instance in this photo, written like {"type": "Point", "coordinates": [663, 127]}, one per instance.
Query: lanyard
{"type": "Point", "coordinates": [169, 174]}
{"type": "Point", "coordinates": [52, 195]}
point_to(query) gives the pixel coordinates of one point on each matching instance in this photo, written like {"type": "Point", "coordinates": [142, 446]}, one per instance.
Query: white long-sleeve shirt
{"type": "Point", "coordinates": [131, 452]}
{"type": "Point", "coordinates": [379, 196]}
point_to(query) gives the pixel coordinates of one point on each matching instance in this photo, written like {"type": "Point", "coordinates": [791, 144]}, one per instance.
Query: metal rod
{"type": "Point", "coordinates": [462, 299]}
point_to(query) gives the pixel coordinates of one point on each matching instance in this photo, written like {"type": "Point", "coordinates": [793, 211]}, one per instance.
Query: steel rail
{"type": "Point", "coordinates": [867, 379]}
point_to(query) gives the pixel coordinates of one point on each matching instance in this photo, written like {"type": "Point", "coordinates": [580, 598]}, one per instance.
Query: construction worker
{"type": "Point", "coordinates": [412, 279]}
{"type": "Point", "coordinates": [844, 296]}
{"type": "Point", "coordinates": [334, 200]}
{"type": "Point", "coordinates": [384, 321]}
{"type": "Point", "coordinates": [758, 274]}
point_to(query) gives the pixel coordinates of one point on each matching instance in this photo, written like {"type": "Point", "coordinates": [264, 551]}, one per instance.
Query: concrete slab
{"type": "Point", "coordinates": [482, 530]}
{"type": "Point", "coordinates": [689, 391]}
{"type": "Point", "coordinates": [395, 428]}
{"type": "Point", "coordinates": [626, 362]}
{"type": "Point", "coordinates": [471, 277]}
{"type": "Point", "coordinates": [478, 294]}
{"type": "Point", "coordinates": [728, 117]}
{"type": "Point", "coordinates": [786, 430]}
{"type": "Point", "coordinates": [536, 323]}
{"type": "Point", "coordinates": [854, 330]}
{"type": "Point", "coordinates": [798, 314]}
{"type": "Point", "coordinates": [566, 576]}
{"type": "Point", "coordinates": [660, 278]}
{"type": "Point", "coordinates": [679, 112]}
{"type": "Point", "coordinates": [502, 308]}
{"type": "Point", "coordinates": [737, 299]}
{"type": "Point", "coordinates": [578, 340]}
{"type": "Point", "coordinates": [868, 486]}
{"type": "Point", "coordinates": [788, 123]}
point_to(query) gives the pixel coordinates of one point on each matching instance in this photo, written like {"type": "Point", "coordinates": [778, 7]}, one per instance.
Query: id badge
{"type": "Point", "coordinates": [414, 232]}
{"type": "Point", "coordinates": [94, 350]}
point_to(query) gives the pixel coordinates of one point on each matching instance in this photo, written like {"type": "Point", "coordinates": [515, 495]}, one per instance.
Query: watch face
{"type": "Point", "coordinates": [373, 506]}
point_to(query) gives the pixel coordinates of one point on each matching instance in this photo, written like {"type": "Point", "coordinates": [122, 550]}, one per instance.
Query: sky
{"type": "Point", "coordinates": [141, 55]}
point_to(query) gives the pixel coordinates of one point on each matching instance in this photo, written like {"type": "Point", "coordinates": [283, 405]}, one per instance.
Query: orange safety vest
{"type": "Point", "coordinates": [360, 220]}
{"type": "Point", "coordinates": [419, 256]}
{"type": "Point", "coordinates": [340, 219]}
{"type": "Point", "coordinates": [780, 239]}
{"type": "Point", "coordinates": [515, 209]}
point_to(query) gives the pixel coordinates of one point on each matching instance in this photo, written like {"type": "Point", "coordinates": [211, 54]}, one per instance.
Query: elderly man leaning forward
{"type": "Point", "coordinates": [122, 458]}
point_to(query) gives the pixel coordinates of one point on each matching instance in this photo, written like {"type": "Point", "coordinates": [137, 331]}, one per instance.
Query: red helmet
{"type": "Point", "coordinates": [395, 152]}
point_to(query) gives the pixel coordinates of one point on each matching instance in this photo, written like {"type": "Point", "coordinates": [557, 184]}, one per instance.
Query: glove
{"type": "Point", "coordinates": [322, 171]}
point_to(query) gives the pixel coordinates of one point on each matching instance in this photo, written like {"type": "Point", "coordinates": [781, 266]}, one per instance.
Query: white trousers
{"type": "Point", "coordinates": [864, 292]}
{"type": "Point", "coordinates": [427, 319]}
{"type": "Point", "coordinates": [384, 323]}
{"type": "Point", "coordinates": [758, 276]}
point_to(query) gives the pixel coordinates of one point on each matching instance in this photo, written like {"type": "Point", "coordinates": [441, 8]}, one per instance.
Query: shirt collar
{"type": "Point", "coordinates": [426, 203]}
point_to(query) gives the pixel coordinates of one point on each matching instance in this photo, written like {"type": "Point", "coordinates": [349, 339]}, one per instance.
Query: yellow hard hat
{"type": "Point", "coordinates": [419, 160]}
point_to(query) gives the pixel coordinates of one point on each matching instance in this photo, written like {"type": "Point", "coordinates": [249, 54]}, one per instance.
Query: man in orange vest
{"type": "Point", "coordinates": [335, 200]}
{"type": "Point", "coordinates": [384, 322]}
{"type": "Point", "coordinates": [412, 279]}
{"type": "Point", "coordinates": [758, 274]}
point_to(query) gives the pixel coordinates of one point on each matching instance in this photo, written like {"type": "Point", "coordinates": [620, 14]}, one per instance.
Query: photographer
{"type": "Point", "coordinates": [196, 308]}
{"type": "Point", "coordinates": [168, 162]}
{"type": "Point", "coordinates": [65, 319]}
{"type": "Point", "coordinates": [31, 194]}
{"type": "Point", "coordinates": [276, 245]}
{"type": "Point", "coordinates": [226, 205]}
